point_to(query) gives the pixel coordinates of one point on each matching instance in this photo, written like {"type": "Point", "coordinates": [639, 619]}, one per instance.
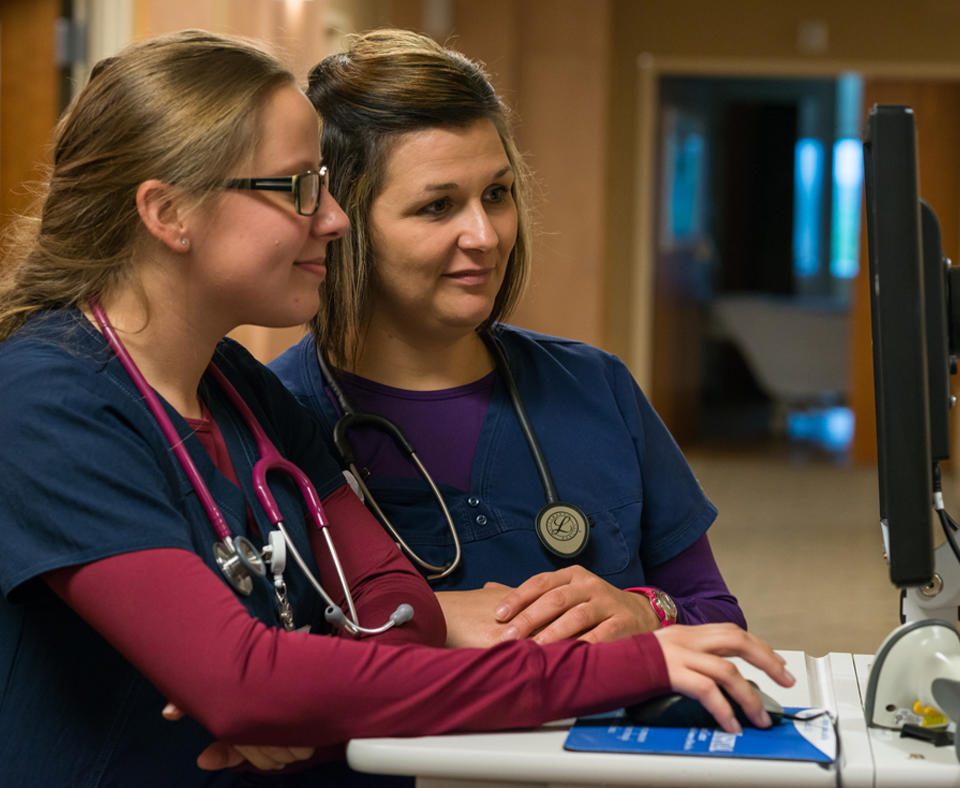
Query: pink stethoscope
{"type": "Point", "coordinates": [237, 558]}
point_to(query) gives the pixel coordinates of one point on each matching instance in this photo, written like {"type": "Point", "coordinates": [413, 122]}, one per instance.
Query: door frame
{"type": "Point", "coordinates": [650, 69]}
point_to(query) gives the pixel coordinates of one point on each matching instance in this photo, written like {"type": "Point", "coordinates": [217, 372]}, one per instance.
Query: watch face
{"type": "Point", "coordinates": [667, 604]}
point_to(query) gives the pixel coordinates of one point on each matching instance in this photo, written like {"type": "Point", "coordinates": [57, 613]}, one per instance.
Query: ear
{"type": "Point", "coordinates": [161, 211]}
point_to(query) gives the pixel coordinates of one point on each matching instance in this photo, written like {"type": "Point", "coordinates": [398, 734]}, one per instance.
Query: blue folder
{"type": "Point", "coordinates": [813, 739]}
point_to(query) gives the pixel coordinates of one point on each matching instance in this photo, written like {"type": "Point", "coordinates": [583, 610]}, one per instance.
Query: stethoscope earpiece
{"type": "Point", "coordinates": [335, 616]}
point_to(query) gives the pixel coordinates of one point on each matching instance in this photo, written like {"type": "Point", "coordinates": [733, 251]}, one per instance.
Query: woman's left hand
{"type": "Point", "coordinates": [221, 755]}
{"type": "Point", "coordinates": [573, 602]}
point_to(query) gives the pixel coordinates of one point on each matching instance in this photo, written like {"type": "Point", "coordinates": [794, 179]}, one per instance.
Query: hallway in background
{"type": "Point", "coordinates": [798, 542]}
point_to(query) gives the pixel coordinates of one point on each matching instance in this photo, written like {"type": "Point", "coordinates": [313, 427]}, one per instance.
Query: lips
{"type": "Point", "coordinates": [471, 276]}
{"type": "Point", "coordinates": [317, 267]}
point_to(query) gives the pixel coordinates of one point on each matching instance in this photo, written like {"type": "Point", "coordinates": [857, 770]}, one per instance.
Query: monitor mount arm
{"type": "Point", "coordinates": [915, 674]}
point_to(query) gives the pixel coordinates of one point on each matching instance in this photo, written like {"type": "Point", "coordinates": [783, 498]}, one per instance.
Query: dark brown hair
{"type": "Point", "coordinates": [388, 83]}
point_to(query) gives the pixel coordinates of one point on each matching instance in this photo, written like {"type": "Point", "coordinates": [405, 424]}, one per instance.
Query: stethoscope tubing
{"type": "Point", "coordinates": [536, 452]}
{"type": "Point", "coordinates": [160, 416]}
{"type": "Point", "coordinates": [351, 417]}
{"type": "Point", "coordinates": [439, 572]}
{"type": "Point", "coordinates": [272, 460]}
{"type": "Point", "coordinates": [233, 554]}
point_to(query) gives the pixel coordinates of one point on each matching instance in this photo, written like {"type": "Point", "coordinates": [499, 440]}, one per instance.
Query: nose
{"type": "Point", "coordinates": [478, 232]}
{"type": "Point", "coordinates": [329, 221]}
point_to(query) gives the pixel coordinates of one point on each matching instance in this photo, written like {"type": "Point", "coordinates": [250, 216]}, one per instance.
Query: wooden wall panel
{"type": "Point", "coordinates": [29, 97]}
{"type": "Point", "coordinates": [937, 108]}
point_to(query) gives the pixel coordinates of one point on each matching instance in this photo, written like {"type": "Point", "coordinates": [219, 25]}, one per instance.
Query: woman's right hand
{"type": "Point", "coordinates": [221, 755]}
{"type": "Point", "coordinates": [697, 667]}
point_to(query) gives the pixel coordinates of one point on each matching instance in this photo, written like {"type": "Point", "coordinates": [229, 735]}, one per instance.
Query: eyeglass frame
{"type": "Point", "coordinates": [285, 183]}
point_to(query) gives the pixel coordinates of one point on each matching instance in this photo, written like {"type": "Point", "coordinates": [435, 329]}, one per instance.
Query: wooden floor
{"type": "Point", "coordinates": [798, 542]}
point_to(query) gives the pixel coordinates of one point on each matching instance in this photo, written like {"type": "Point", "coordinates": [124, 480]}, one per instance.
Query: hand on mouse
{"type": "Point", "coordinates": [697, 667]}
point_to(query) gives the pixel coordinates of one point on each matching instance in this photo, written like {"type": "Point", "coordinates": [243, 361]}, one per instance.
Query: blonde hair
{"type": "Point", "coordinates": [183, 108]}
{"type": "Point", "coordinates": [388, 83]}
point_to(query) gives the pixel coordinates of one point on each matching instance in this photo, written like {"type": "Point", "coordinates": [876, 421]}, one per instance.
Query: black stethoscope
{"type": "Point", "coordinates": [563, 528]}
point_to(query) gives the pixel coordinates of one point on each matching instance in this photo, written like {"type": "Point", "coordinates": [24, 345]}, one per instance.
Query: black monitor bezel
{"type": "Point", "coordinates": [900, 348]}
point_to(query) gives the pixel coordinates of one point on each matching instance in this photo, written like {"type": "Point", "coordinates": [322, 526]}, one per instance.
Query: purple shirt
{"type": "Point", "coordinates": [444, 428]}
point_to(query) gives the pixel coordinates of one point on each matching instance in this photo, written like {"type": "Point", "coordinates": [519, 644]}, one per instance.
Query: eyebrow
{"type": "Point", "coordinates": [302, 166]}
{"type": "Point", "coordinates": [439, 187]}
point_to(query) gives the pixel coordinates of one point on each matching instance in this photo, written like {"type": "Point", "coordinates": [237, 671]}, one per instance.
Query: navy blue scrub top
{"type": "Point", "coordinates": [86, 473]}
{"type": "Point", "coordinates": [606, 447]}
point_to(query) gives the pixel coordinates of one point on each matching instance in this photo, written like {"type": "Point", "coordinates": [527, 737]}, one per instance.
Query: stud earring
{"type": "Point", "coordinates": [185, 242]}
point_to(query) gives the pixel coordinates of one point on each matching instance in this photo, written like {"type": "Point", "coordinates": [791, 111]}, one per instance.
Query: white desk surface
{"type": "Point", "coordinates": [537, 757]}
{"type": "Point", "coordinates": [904, 762]}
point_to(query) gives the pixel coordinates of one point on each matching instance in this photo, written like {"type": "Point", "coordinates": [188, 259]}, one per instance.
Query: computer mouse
{"type": "Point", "coordinates": [678, 711]}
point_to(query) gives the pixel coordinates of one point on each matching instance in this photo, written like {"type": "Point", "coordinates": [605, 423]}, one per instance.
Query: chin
{"type": "Point", "coordinates": [462, 323]}
{"type": "Point", "coordinates": [296, 315]}
{"type": "Point", "coordinates": [471, 315]}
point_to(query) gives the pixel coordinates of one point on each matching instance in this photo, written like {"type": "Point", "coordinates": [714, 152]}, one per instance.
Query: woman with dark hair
{"type": "Point", "coordinates": [508, 422]}
{"type": "Point", "coordinates": [148, 555]}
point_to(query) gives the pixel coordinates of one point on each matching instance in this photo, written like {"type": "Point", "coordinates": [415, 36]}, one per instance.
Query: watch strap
{"type": "Point", "coordinates": [654, 595]}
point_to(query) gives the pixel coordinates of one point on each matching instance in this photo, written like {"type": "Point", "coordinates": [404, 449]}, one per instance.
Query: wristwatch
{"type": "Point", "coordinates": [661, 602]}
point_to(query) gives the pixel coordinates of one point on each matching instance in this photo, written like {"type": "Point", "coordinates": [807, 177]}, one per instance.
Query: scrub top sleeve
{"type": "Point", "coordinates": [78, 478]}
{"type": "Point", "coordinates": [676, 512]}
{"type": "Point", "coordinates": [693, 580]}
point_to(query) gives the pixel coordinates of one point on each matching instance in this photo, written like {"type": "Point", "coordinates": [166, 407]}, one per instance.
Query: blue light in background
{"type": "Point", "coordinates": [847, 182]}
{"type": "Point", "coordinates": [687, 189]}
{"type": "Point", "coordinates": [831, 428]}
{"type": "Point", "coordinates": [808, 188]}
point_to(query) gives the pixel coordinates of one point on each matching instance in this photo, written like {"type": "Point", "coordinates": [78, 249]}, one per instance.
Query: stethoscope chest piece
{"type": "Point", "coordinates": [563, 528]}
{"type": "Point", "coordinates": [239, 561]}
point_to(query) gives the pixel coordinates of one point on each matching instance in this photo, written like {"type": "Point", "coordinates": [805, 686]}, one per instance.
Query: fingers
{"type": "Point", "coordinates": [219, 755]}
{"type": "Point", "coordinates": [527, 592]}
{"type": "Point", "coordinates": [172, 712]}
{"type": "Point", "coordinates": [469, 616]}
{"type": "Point", "coordinates": [729, 640]}
{"type": "Point", "coordinates": [697, 667]}
{"type": "Point", "coordinates": [272, 758]}
{"type": "Point", "coordinates": [567, 603]}
{"type": "Point", "coordinates": [570, 623]}
{"type": "Point", "coordinates": [726, 684]}
{"type": "Point", "coordinates": [601, 620]}
{"type": "Point", "coordinates": [574, 602]}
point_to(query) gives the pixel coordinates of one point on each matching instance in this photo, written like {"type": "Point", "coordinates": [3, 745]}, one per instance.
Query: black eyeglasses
{"type": "Point", "coordinates": [306, 188]}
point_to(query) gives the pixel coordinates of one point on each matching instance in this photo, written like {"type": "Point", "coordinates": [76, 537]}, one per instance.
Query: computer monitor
{"type": "Point", "coordinates": [913, 342]}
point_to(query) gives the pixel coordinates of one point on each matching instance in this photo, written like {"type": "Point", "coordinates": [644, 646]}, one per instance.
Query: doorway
{"type": "Point", "coordinates": [754, 231]}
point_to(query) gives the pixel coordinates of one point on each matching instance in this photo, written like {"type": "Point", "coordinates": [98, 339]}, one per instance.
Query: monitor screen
{"type": "Point", "coordinates": [907, 324]}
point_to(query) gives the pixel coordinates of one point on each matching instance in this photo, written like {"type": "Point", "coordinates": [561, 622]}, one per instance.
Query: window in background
{"type": "Point", "coordinates": [844, 173]}
{"type": "Point", "coordinates": [808, 171]}
{"type": "Point", "coordinates": [847, 179]}
{"type": "Point", "coordinates": [684, 182]}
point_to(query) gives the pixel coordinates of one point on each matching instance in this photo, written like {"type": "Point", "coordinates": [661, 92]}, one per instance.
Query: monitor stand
{"type": "Point", "coordinates": [940, 598]}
